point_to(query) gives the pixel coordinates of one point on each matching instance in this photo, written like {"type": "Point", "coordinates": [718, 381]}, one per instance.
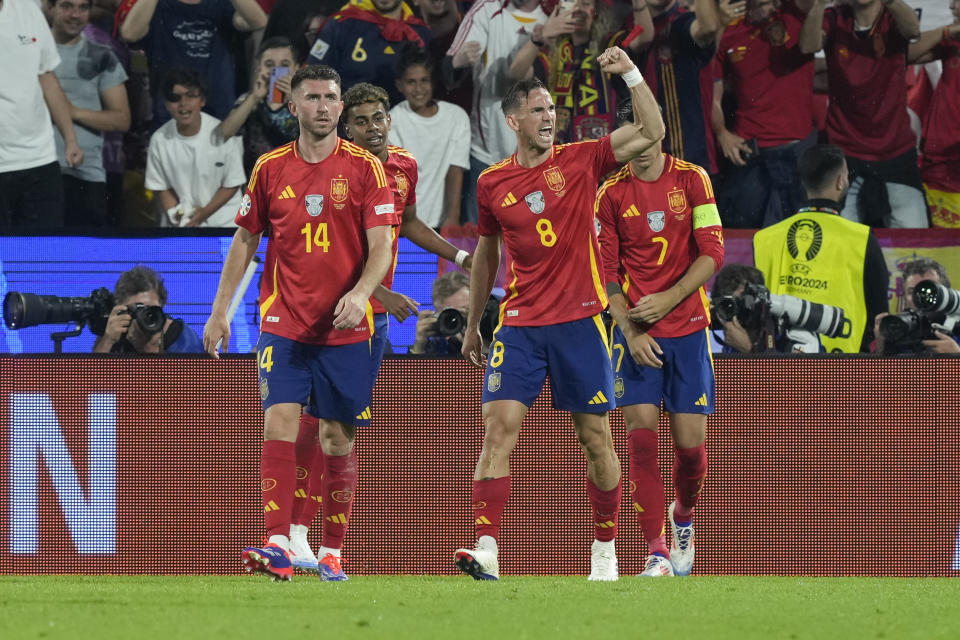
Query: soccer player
{"type": "Point", "coordinates": [367, 123]}
{"type": "Point", "coordinates": [538, 202]}
{"type": "Point", "coordinates": [329, 214]}
{"type": "Point", "coordinates": [660, 240]}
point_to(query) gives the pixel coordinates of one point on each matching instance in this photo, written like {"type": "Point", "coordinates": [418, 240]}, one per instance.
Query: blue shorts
{"type": "Point", "coordinates": [575, 354]}
{"type": "Point", "coordinates": [333, 382]}
{"type": "Point", "coordinates": [378, 343]}
{"type": "Point", "coordinates": [684, 384]}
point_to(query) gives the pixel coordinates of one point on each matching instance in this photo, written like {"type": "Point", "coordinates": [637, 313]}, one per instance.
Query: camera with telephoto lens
{"type": "Point", "coordinates": [937, 308]}
{"type": "Point", "coordinates": [22, 310]}
{"type": "Point", "coordinates": [756, 304]}
{"type": "Point", "coordinates": [451, 322]}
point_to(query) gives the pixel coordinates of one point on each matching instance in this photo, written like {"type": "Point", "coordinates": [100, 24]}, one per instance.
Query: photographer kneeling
{"type": "Point", "coordinates": [440, 332]}
{"type": "Point", "coordinates": [137, 323]}
{"type": "Point", "coordinates": [931, 326]}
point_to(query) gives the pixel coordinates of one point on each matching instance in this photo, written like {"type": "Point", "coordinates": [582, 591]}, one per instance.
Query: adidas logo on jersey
{"type": "Point", "coordinates": [598, 398]}
{"type": "Point", "coordinates": [509, 200]}
{"type": "Point", "coordinates": [631, 212]}
{"type": "Point", "coordinates": [286, 193]}
{"type": "Point", "coordinates": [364, 415]}
{"type": "Point", "coordinates": [701, 401]}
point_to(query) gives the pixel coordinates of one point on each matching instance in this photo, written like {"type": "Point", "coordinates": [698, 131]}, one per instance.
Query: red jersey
{"type": "Point", "coordinates": [402, 176]}
{"type": "Point", "coordinates": [545, 216]}
{"type": "Point", "coordinates": [651, 232]}
{"type": "Point", "coordinates": [315, 216]}
{"type": "Point", "coordinates": [940, 162]}
{"type": "Point", "coordinates": [867, 116]}
{"type": "Point", "coordinates": [771, 77]}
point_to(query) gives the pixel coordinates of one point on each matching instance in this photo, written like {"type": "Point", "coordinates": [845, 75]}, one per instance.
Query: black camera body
{"type": "Point", "coordinates": [937, 308]}
{"type": "Point", "coordinates": [149, 318]}
{"type": "Point", "coordinates": [451, 322]}
{"type": "Point", "coordinates": [22, 310]}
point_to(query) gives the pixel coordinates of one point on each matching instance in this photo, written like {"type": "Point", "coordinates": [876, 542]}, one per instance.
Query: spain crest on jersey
{"type": "Point", "coordinates": [338, 189]}
{"type": "Point", "coordinates": [493, 382]}
{"type": "Point", "coordinates": [554, 178]}
{"type": "Point", "coordinates": [535, 201]}
{"type": "Point", "coordinates": [402, 185]}
{"type": "Point", "coordinates": [314, 204]}
{"type": "Point", "coordinates": [656, 220]}
{"type": "Point", "coordinates": [618, 387]}
{"type": "Point", "coordinates": [677, 201]}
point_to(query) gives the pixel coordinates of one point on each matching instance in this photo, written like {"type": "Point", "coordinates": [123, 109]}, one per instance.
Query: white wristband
{"type": "Point", "coordinates": [632, 78]}
{"type": "Point", "coordinates": [462, 256]}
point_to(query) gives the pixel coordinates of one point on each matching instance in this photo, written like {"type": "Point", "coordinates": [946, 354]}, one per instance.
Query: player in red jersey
{"type": "Point", "coordinates": [328, 211]}
{"type": "Point", "coordinates": [366, 114]}
{"type": "Point", "coordinates": [661, 240]}
{"type": "Point", "coordinates": [538, 201]}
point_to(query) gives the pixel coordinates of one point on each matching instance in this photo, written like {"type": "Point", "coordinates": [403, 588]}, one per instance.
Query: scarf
{"type": "Point", "coordinates": [391, 30]}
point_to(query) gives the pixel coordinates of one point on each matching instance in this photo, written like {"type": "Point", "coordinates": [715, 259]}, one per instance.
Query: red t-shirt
{"type": "Point", "coordinates": [651, 232]}
{"type": "Point", "coordinates": [315, 216]}
{"type": "Point", "coordinates": [546, 217]}
{"type": "Point", "coordinates": [402, 176]}
{"type": "Point", "coordinates": [771, 77]}
{"type": "Point", "coordinates": [940, 162]}
{"type": "Point", "coordinates": [867, 116]}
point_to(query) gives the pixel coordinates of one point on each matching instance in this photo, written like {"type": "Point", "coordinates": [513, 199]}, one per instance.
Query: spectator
{"type": "Point", "coordinates": [361, 41]}
{"type": "Point", "coordinates": [264, 121]}
{"type": "Point", "coordinates": [678, 66]}
{"type": "Point", "coordinates": [128, 331]}
{"type": "Point", "coordinates": [914, 272]}
{"type": "Point", "coordinates": [940, 142]}
{"type": "Point", "coordinates": [299, 21]}
{"type": "Point", "coordinates": [444, 18]}
{"type": "Point", "coordinates": [191, 34]}
{"type": "Point", "coordinates": [821, 257]}
{"type": "Point", "coordinates": [562, 55]}
{"type": "Point", "coordinates": [865, 43]}
{"type": "Point", "coordinates": [195, 175]}
{"type": "Point", "coordinates": [92, 79]}
{"type": "Point", "coordinates": [485, 40]}
{"type": "Point", "coordinates": [450, 291]}
{"type": "Point", "coordinates": [436, 133]}
{"type": "Point", "coordinates": [31, 189]}
{"type": "Point", "coordinates": [772, 81]}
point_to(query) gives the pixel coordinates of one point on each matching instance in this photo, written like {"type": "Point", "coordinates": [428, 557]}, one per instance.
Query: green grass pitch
{"type": "Point", "coordinates": [534, 607]}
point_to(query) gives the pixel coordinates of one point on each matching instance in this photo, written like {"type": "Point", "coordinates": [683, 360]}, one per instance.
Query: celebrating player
{"type": "Point", "coordinates": [660, 240]}
{"type": "Point", "coordinates": [329, 215]}
{"type": "Point", "coordinates": [367, 123]}
{"type": "Point", "coordinates": [538, 202]}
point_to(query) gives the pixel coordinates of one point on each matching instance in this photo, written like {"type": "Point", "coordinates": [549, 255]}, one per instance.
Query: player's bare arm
{"type": "Point", "coordinates": [413, 229]}
{"type": "Point", "coordinates": [643, 348]}
{"type": "Point", "coordinates": [631, 140]}
{"type": "Point", "coordinates": [811, 33]}
{"type": "Point", "coordinates": [352, 307]}
{"type": "Point", "coordinates": [217, 329]}
{"type": "Point", "coordinates": [486, 262]}
{"type": "Point", "coordinates": [396, 304]}
{"type": "Point", "coordinates": [654, 306]}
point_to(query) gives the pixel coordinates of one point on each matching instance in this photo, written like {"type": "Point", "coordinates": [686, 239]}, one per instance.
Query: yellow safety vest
{"type": "Point", "coordinates": [818, 256]}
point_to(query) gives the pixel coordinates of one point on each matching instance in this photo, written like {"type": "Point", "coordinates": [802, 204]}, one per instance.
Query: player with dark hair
{"type": "Point", "coordinates": [538, 203]}
{"type": "Point", "coordinates": [327, 208]}
{"type": "Point", "coordinates": [661, 240]}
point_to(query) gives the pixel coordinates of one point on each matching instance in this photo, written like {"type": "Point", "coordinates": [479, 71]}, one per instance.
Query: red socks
{"type": "Point", "coordinates": [307, 499]}
{"type": "Point", "coordinates": [489, 501]}
{"type": "Point", "coordinates": [606, 509]}
{"type": "Point", "coordinates": [339, 484]}
{"type": "Point", "coordinates": [277, 483]}
{"type": "Point", "coordinates": [689, 471]}
{"type": "Point", "coordinates": [646, 485]}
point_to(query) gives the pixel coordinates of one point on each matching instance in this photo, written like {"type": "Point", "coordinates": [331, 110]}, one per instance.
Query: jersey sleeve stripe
{"type": "Point", "coordinates": [609, 182]}
{"type": "Point", "coordinates": [276, 153]}
{"type": "Point", "coordinates": [496, 166]}
{"type": "Point", "coordinates": [683, 165]}
{"type": "Point", "coordinates": [358, 152]}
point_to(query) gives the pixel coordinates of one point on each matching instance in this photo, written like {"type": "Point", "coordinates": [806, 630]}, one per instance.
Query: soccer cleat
{"type": "Point", "coordinates": [682, 548]}
{"type": "Point", "coordinates": [330, 569]}
{"type": "Point", "coordinates": [656, 567]}
{"type": "Point", "coordinates": [479, 562]}
{"type": "Point", "coordinates": [603, 562]}
{"type": "Point", "coordinates": [271, 560]}
{"type": "Point", "coordinates": [301, 555]}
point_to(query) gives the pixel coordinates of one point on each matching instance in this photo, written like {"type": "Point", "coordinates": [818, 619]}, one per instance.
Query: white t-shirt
{"type": "Point", "coordinates": [500, 32]}
{"type": "Point", "coordinates": [437, 143]}
{"type": "Point", "coordinates": [195, 167]}
{"type": "Point", "coordinates": [28, 51]}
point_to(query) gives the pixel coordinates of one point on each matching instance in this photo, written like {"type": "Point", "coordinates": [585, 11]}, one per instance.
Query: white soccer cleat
{"type": "Point", "coordinates": [603, 562]}
{"type": "Point", "coordinates": [481, 561]}
{"type": "Point", "coordinates": [656, 567]}
{"type": "Point", "coordinates": [301, 555]}
{"type": "Point", "coordinates": [682, 547]}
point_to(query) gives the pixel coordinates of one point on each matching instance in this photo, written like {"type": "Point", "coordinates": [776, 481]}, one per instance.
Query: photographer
{"type": "Point", "coordinates": [140, 296]}
{"type": "Point", "coordinates": [450, 291]}
{"type": "Point", "coordinates": [915, 272]}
